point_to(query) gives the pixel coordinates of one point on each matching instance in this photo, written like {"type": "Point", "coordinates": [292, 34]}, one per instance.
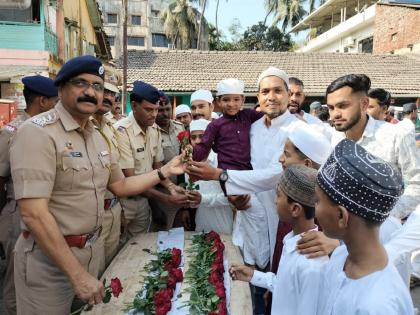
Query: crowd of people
{"type": "Point", "coordinates": [324, 206]}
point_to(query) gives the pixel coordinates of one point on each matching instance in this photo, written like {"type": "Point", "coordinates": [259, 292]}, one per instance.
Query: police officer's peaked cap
{"type": "Point", "coordinates": [78, 65]}
{"type": "Point", "coordinates": [40, 85]}
{"type": "Point", "coordinates": [145, 91]}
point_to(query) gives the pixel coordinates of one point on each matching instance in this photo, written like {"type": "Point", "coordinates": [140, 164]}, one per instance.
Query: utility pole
{"type": "Point", "coordinates": [124, 92]}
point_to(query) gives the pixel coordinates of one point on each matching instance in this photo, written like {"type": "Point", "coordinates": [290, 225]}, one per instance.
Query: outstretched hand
{"type": "Point", "coordinates": [241, 272]}
{"type": "Point", "coordinates": [203, 171]}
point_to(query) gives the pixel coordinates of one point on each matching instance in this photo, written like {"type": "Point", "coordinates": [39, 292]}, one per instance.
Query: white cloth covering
{"type": "Point", "coordinates": [379, 293]}
{"type": "Point", "coordinates": [202, 95]}
{"type": "Point", "coordinates": [181, 109]}
{"type": "Point", "coordinates": [267, 144]}
{"type": "Point", "coordinates": [230, 86]}
{"type": "Point", "coordinates": [214, 212]}
{"type": "Point", "coordinates": [310, 142]}
{"type": "Point", "coordinates": [406, 125]}
{"type": "Point", "coordinates": [199, 125]}
{"type": "Point", "coordinates": [273, 71]}
{"type": "Point", "coordinates": [296, 285]}
{"type": "Point", "coordinates": [385, 141]}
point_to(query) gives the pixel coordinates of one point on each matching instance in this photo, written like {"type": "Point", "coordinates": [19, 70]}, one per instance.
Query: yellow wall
{"type": "Point", "coordinates": [76, 10]}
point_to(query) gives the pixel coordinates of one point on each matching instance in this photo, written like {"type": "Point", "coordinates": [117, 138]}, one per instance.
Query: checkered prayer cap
{"type": "Point", "coordinates": [364, 184]}
{"type": "Point", "coordinates": [298, 182]}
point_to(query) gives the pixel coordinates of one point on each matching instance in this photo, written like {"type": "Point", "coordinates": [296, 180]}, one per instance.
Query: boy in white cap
{"type": "Point", "coordinates": [229, 136]}
{"type": "Point", "coordinates": [183, 115]}
{"type": "Point", "coordinates": [213, 212]}
{"type": "Point", "coordinates": [296, 284]}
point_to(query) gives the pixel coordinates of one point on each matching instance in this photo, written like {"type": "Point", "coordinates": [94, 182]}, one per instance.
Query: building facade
{"type": "Point", "coordinates": [144, 27]}
{"type": "Point", "coordinates": [38, 36]}
{"type": "Point", "coordinates": [362, 26]}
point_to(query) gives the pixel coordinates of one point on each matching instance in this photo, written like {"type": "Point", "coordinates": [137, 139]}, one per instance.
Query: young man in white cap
{"type": "Point", "coordinates": [183, 115]}
{"type": "Point", "coordinates": [214, 211]}
{"type": "Point", "coordinates": [202, 104]}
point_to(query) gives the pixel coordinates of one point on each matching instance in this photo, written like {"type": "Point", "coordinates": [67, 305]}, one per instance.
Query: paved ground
{"type": "Point", "coordinates": [415, 293]}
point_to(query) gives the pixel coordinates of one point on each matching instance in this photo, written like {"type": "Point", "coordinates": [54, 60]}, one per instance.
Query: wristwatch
{"type": "Point", "coordinates": [161, 176]}
{"type": "Point", "coordinates": [223, 177]}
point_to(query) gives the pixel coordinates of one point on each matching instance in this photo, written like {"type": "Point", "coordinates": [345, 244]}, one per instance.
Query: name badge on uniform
{"type": "Point", "coordinates": [140, 149]}
{"type": "Point", "coordinates": [76, 154]}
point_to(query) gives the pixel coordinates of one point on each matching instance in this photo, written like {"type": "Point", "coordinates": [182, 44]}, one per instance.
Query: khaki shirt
{"type": "Point", "coordinates": [52, 157]}
{"type": "Point", "coordinates": [139, 149]}
{"type": "Point", "coordinates": [110, 135]}
{"type": "Point", "coordinates": [6, 135]}
{"type": "Point", "coordinates": [170, 142]}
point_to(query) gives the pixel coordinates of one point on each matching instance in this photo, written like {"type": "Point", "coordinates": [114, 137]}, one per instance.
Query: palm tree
{"type": "Point", "coordinates": [290, 12]}
{"type": "Point", "coordinates": [180, 22]}
{"type": "Point", "coordinates": [203, 5]}
{"type": "Point", "coordinates": [217, 26]}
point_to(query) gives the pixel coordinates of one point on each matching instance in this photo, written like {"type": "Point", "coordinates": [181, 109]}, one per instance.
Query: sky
{"type": "Point", "coordinates": [248, 12]}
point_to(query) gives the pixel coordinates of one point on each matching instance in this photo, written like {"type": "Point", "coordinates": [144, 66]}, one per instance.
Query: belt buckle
{"type": "Point", "coordinates": [92, 237]}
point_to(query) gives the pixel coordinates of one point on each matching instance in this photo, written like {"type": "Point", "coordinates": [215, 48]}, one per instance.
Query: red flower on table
{"type": "Point", "coordinates": [162, 296]}
{"type": "Point", "coordinates": [176, 257]}
{"type": "Point", "coordinates": [116, 287]}
{"type": "Point", "coordinates": [163, 309]}
{"type": "Point", "coordinates": [177, 273]}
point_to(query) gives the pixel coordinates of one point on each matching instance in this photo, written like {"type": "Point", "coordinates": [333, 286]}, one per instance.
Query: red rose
{"type": "Point", "coordinates": [221, 307]}
{"type": "Point", "coordinates": [183, 135]}
{"type": "Point", "coordinates": [176, 257]}
{"type": "Point", "coordinates": [162, 296]}
{"type": "Point", "coordinates": [177, 273]}
{"type": "Point", "coordinates": [163, 309]}
{"type": "Point", "coordinates": [215, 277]}
{"type": "Point", "coordinates": [212, 235]}
{"type": "Point", "coordinates": [171, 282]}
{"type": "Point", "coordinates": [116, 287]}
{"type": "Point", "coordinates": [220, 290]}
{"type": "Point", "coordinates": [168, 265]}
{"type": "Point", "coordinates": [217, 267]}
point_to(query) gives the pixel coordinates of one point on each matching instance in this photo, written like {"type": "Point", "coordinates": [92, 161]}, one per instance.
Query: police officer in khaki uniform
{"type": "Point", "coordinates": [61, 167]}
{"type": "Point", "coordinates": [40, 95]}
{"type": "Point", "coordinates": [164, 214]}
{"type": "Point", "coordinates": [111, 226]}
{"type": "Point", "coordinates": [140, 144]}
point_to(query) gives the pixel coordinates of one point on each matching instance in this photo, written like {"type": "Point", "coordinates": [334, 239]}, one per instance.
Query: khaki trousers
{"type": "Point", "coordinates": [137, 214]}
{"type": "Point", "coordinates": [41, 287]}
{"type": "Point", "coordinates": [12, 216]}
{"type": "Point", "coordinates": [163, 214]}
{"type": "Point", "coordinates": [110, 235]}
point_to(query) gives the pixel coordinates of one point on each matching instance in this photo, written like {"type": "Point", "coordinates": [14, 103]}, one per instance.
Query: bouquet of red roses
{"type": "Point", "coordinates": [184, 140]}
{"type": "Point", "coordinates": [205, 275]}
{"type": "Point", "coordinates": [163, 275]}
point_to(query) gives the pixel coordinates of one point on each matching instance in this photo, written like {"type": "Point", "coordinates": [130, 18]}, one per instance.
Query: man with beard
{"type": "Point", "coordinates": [347, 102]}
{"type": "Point", "coordinates": [111, 226]}
{"type": "Point", "coordinates": [40, 96]}
{"type": "Point", "coordinates": [140, 144]}
{"type": "Point", "coordinates": [268, 136]}
{"type": "Point", "coordinates": [202, 104]}
{"type": "Point", "coordinates": [296, 99]}
{"type": "Point", "coordinates": [162, 213]}
{"type": "Point", "coordinates": [61, 167]}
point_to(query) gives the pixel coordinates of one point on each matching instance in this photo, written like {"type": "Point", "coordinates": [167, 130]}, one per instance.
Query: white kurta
{"type": "Point", "coordinates": [387, 142]}
{"type": "Point", "coordinates": [403, 243]}
{"type": "Point", "coordinates": [379, 293]}
{"type": "Point", "coordinates": [296, 285]}
{"type": "Point", "coordinates": [214, 211]}
{"type": "Point", "coordinates": [407, 126]}
{"type": "Point", "coordinates": [267, 144]}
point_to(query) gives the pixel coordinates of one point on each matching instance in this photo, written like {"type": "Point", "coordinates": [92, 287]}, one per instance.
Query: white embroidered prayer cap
{"type": "Point", "coordinates": [230, 86]}
{"type": "Point", "coordinates": [181, 109]}
{"type": "Point", "coordinates": [199, 125]}
{"type": "Point", "coordinates": [202, 95]}
{"type": "Point", "coordinates": [276, 72]}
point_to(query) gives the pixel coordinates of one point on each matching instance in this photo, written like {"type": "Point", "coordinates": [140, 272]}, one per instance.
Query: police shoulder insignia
{"type": "Point", "coordinates": [10, 128]}
{"type": "Point", "coordinates": [43, 120]}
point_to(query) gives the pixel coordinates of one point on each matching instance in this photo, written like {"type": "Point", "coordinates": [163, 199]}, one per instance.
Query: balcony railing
{"type": "Point", "coordinates": [51, 43]}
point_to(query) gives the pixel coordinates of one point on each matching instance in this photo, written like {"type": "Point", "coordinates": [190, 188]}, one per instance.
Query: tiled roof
{"type": "Point", "coordinates": [186, 71]}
